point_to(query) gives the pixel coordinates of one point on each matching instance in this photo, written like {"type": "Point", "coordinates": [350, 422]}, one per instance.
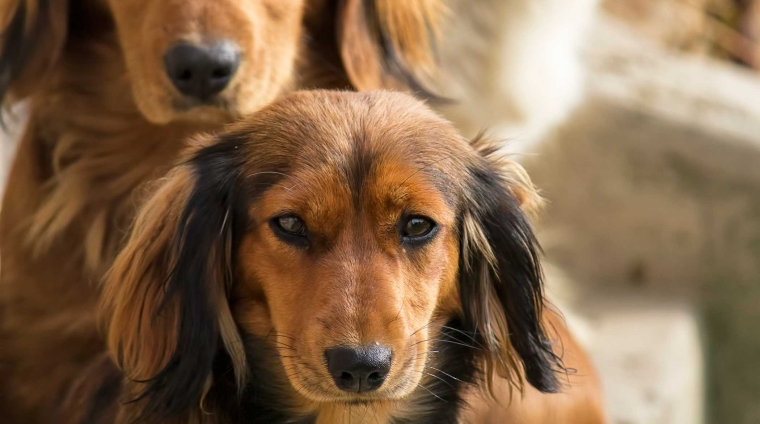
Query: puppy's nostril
{"type": "Point", "coordinates": [185, 75]}
{"type": "Point", "coordinates": [359, 369]}
{"type": "Point", "coordinates": [221, 73]}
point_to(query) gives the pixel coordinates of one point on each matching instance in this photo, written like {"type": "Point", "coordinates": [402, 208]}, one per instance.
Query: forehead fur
{"type": "Point", "coordinates": [354, 134]}
{"type": "Point", "coordinates": [312, 128]}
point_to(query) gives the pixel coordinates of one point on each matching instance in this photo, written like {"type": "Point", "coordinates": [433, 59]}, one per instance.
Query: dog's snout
{"type": "Point", "coordinates": [359, 369]}
{"type": "Point", "coordinates": [201, 71]}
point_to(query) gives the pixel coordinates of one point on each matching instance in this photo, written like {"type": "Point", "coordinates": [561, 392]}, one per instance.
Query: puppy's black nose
{"type": "Point", "coordinates": [200, 71]}
{"type": "Point", "coordinates": [359, 369]}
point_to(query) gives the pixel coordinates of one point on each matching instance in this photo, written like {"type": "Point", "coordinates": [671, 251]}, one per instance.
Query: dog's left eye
{"type": "Point", "coordinates": [291, 229]}
{"type": "Point", "coordinates": [417, 228]}
{"type": "Point", "coordinates": [291, 224]}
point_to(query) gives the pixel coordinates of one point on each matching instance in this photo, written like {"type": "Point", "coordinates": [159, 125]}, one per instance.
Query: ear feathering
{"type": "Point", "coordinates": [501, 282]}
{"type": "Point", "coordinates": [166, 295]}
{"type": "Point", "coordinates": [516, 179]}
{"type": "Point", "coordinates": [391, 43]}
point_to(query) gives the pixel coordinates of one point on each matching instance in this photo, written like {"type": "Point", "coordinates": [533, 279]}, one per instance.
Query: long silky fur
{"type": "Point", "coordinates": [501, 283]}
{"type": "Point", "coordinates": [394, 27]}
{"type": "Point", "coordinates": [207, 235]}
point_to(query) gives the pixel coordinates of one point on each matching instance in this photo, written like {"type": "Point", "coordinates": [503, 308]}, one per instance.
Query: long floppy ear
{"type": "Point", "coordinates": [165, 296]}
{"type": "Point", "coordinates": [389, 43]}
{"type": "Point", "coordinates": [501, 285]}
{"type": "Point", "coordinates": [33, 35]}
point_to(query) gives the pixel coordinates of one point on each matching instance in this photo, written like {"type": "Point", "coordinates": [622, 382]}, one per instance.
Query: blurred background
{"type": "Point", "coordinates": [640, 122]}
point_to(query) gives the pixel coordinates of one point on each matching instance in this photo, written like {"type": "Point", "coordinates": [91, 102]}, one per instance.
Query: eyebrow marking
{"type": "Point", "coordinates": [428, 165]}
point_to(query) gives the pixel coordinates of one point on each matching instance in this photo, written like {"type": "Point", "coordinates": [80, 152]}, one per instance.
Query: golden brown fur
{"type": "Point", "coordinates": [104, 120]}
{"type": "Point", "coordinates": [207, 277]}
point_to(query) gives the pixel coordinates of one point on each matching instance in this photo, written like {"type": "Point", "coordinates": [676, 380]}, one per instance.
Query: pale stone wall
{"type": "Point", "coordinates": [653, 222]}
{"type": "Point", "coordinates": [654, 218]}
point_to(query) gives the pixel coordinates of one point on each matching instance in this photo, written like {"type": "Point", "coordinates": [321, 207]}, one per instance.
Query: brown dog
{"type": "Point", "coordinates": [114, 87]}
{"type": "Point", "coordinates": [340, 257]}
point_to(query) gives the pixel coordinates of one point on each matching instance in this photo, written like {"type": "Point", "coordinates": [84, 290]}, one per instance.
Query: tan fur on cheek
{"type": "Point", "coordinates": [250, 308]}
{"type": "Point", "coordinates": [448, 302]}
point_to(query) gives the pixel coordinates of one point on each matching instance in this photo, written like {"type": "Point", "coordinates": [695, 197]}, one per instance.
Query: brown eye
{"type": "Point", "coordinates": [417, 228]}
{"type": "Point", "coordinates": [291, 230]}
{"type": "Point", "coordinates": [292, 225]}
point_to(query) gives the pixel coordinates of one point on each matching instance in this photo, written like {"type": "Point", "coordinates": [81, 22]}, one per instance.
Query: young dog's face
{"type": "Point", "coordinates": [341, 232]}
{"type": "Point", "coordinates": [353, 252]}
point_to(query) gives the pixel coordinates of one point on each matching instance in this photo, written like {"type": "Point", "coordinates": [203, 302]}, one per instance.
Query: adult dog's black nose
{"type": "Point", "coordinates": [359, 369]}
{"type": "Point", "coordinates": [200, 71]}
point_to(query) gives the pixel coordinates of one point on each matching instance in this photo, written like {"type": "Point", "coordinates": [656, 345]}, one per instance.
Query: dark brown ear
{"type": "Point", "coordinates": [32, 38]}
{"type": "Point", "coordinates": [389, 43]}
{"type": "Point", "coordinates": [501, 281]}
{"type": "Point", "coordinates": [165, 299]}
